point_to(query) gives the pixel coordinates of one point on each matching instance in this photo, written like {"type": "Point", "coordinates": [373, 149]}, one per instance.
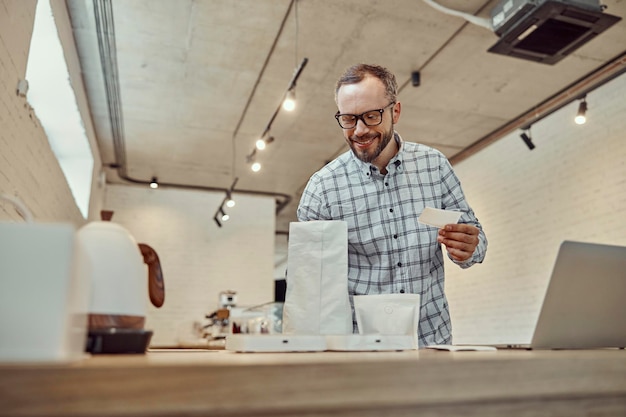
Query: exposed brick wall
{"type": "Point", "coordinates": [16, 26]}
{"type": "Point", "coordinates": [572, 186]}
{"type": "Point", "coordinates": [28, 167]}
{"type": "Point", "coordinates": [199, 259]}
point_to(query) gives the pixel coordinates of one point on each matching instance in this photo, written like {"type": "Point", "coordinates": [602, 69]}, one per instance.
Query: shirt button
{"type": "Point", "coordinates": [399, 263]}
{"type": "Point", "coordinates": [395, 236]}
{"type": "Point", "coordinates": [390, 210]}
{"type": "Point", "coordinates": [402, 291]}
{"type": "Point", "coordinates": [387, 184]}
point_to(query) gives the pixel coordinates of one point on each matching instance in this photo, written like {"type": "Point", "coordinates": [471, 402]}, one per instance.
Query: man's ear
{"type": "Point", "coordinates": [397, 108]}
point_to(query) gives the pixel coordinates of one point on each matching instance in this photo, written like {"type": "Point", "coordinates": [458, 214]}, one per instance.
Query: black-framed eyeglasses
{"type": "Point", "coordinates": [370, 117]}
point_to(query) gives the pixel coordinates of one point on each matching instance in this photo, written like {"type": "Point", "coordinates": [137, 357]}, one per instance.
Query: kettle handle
{"type": "Point", "coordinates": [156, 285]}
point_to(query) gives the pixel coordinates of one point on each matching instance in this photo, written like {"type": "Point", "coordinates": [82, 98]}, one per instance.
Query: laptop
{"type": "Point", "coordinates": [585, 303]}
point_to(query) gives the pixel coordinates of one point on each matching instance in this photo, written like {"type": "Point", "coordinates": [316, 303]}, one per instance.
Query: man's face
{"type": "Point", "coordinates": [367, 142]}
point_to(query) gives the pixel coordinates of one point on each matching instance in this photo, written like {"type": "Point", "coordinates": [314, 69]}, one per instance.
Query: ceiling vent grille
{"type": "Point", "coordinates": [547, 31]}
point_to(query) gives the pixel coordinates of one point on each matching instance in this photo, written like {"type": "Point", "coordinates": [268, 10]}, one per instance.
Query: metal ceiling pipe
{"type": "Point", "coordinates": [574, 91]}
{"type": "Point", "coordinates": [105, 32]}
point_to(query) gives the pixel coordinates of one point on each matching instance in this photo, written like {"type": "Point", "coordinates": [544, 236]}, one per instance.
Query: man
{"type": "Point", "coordinates": [380, 188]}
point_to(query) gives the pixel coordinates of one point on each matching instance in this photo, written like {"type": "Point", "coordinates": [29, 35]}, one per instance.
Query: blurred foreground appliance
{"type": "Point", "coordinates": [117, 308]}
{"type": "Point", "coordinates": [546, 31]}
{"type": "Point", "coordinates": [44, 292]}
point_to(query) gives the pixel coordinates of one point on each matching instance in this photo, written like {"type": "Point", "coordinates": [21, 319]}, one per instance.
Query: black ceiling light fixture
{"type": "Point", "coordinates": [255, 166]}
{"type": "Point", "coordinates": [581, 114]}
{"type": "Point", "coordinates": [416, 78]}
{"type": "Point", "coordinates": [264, 141]}
{"type": "Point", "coordinates": [288, 102]}
{"type": "Point", "coordinates": [265, 138]}
{"type": "Point", "coordinates": [220, 215]}
{"type": "Point", "coordinates": [526, 137]}
{"type": "Point", "coordinates": [229, 200]}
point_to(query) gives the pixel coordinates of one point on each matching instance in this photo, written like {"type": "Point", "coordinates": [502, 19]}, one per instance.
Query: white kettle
{"type": "Point", "coordinates": [119, 285]}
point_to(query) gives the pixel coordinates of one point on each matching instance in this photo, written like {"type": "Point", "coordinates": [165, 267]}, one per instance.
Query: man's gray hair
{"type": "Point", "coordinates": [358, 72]}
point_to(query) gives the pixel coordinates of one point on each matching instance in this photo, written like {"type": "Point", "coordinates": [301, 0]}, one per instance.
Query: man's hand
{"type": "Point", "coordinates": [460, 240]}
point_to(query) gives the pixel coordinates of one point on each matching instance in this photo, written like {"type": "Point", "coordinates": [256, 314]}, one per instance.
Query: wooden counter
{"type": "Point", "coordinates": [364, 384]}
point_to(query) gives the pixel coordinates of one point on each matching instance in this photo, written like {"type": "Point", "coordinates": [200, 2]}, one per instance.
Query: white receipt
{"type": "Point", "coordinates": [438, 218]}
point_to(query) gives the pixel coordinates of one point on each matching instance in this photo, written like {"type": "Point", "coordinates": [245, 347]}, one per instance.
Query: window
{"type": "Point", "coordinates": [52, 97]}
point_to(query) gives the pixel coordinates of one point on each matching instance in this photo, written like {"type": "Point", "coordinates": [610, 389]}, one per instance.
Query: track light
{"type": "Point", "coordinates": [230, 202]}
{"type": "Point", "coordinates": [250, 157]}
{"type": "Point", "coordinates": [527, 139]}
{"type": "Point", "coordinates": [154, 183]}
{"type": "Point", "coordinates": [581, 115]}
{"type": "Point", "coordinates": [255, 167]}
{"type": "Point", "coordinates": [260, 145]}
{"type": "Point", "coordinates": [220, 216]}
{"type": "Point", "coordinates": [224, 217]}
{"type": "Point", "coordinates": [289, 103]}
{"type": "Point", "coordinates": [264, 141]}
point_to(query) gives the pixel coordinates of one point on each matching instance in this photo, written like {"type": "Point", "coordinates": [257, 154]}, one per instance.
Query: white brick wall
{"type": "Point", "coordinates": [28, 167]}
{"type": "Point", "coordinates": [199, 259]}
{"type": "Point", "coordinates": [571, 186]}
{"type": "Point", "coordinates": [16, 26]}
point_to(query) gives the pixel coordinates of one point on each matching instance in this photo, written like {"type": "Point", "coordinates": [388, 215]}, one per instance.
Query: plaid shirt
{"type": "Point", "coordinates": [388, 250]}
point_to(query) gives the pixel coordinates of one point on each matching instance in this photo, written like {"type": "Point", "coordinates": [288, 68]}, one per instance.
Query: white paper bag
{"type": "Point", "coordinates": [388, 314]}
{"type": "Point", "coordinates": [316, 300]}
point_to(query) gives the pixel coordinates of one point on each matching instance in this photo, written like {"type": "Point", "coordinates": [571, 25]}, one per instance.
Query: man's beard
{"type": "Point", "coordinates": [369, 157]}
